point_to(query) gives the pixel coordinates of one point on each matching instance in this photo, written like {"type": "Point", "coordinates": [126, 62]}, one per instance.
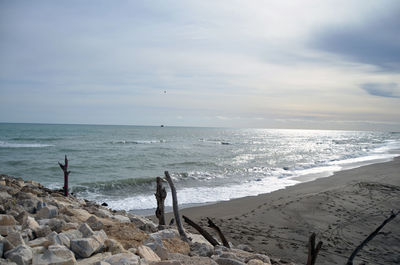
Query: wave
{"type": "Point", "coordinates": [118, 185]}
{"type": "Point", "coordinates": [138, 141]}
{"type": "Point", "coordinates": [36, 139]}
{"type": "Point", "coordinates": [195, 195]}
{"type": "Point", "coordinates": [23, 145]}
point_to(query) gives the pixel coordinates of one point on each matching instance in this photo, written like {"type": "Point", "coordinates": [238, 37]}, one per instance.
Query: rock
{"type": "Point", "coordinates": [15, 238]}
{"type": "Point", "coordinates": [227, 261]}
{"type": "Point", "coordinates": [161, 251]}
{"type": "Point", "coordinates": [55, 255]}
{"type": "Point", "coordinates": [40, 205]}
{"type": "Point", "coordinates": [94, 223]}
{"type": "Point", "coordinates": [7, 262]}
{"type": "Point", "coordinates": [22, 255]}
{"type": "Point", "coordinates": [1, 249]}
{"type": "Point", "coordinates": [100, 236]}
{"type": "Point", "coordinates": [123, 259]}
{"type": "Point", "coordinates": [7, 220]}
{"type": "Point", "coordinates": [70, 226]}
{"type": "Point", "coordinates": [29, 204]}
{"type": "Point", "coordinates": [121, 218]}
{"type": "Point", "coordinates": [163, 234]}
{"type": "Point", "coordinates": [21, 218]}
{"type": "Point", "coordinates": [263, 258]}
{"type": "Point", "coordinates": [244, 247]}
{"type": "Point", "coordinates": [256, 262]}
{"type": "Point", "coordinates": [39, 242]}
{"type": "Point", "coordinates": [6, 229]}
{"type": "Point", "coordinates": [85, 247]}
{"type": "Point", "coordinates": [85, 230]}
{"type": "Point", "coordinates": [148, 254]}
{"type": "Point", "coordinates": [148, 228]}
{"type": "Point", "coordinates": [101, 263]}
{"type": "Point", "coordinates": [7, 245]}
{"type": "Point", "coordinates": [57, 224]}
{"type": "Point", "coordinates": [103, 213]}
{"type": "Point", "coordinates": [38, 250]}
{"type": "Point", "coordinates": [4, 196]}
{"type": "Point", "coordinates": [47, 212]}
{"type": "Point", "coordinates": [113, 246]}
{"type": "Point", "coordinates": [167, 262]}
{"type": "Point", "coordinates": [27, 234]}
{"type": "Point", "coordinates": [30, 223]}
{"type": "Point", "coordinates": [94, 259]}
{"type": "Point", "coordinates": [42, 231]}
{"type": "Point", "coordinates": [60, 239]}
{"type": "Point", "coordinates": [201, 249]}
{"type": "Point", "coordinates": [142, 222]}
{"type": "Point", "coordinates": [191, 260]}
{"type": "Point", "coordinates": [176, 245]}
{"type": "Point", "coordinates": [72, 234]}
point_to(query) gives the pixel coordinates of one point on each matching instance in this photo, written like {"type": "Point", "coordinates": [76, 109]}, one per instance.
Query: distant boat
{"type": "Point", "coordinates": [162, 125]}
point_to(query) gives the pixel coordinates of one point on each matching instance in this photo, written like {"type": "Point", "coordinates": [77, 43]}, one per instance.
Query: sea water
{"type": "Point", "coordinates": [118, 164]}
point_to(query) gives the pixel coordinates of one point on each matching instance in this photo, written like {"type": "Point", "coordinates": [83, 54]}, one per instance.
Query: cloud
{"type": "Point", "coordinates": [387, 90]}
{"type": "Point", "coordinates": [374, 40]}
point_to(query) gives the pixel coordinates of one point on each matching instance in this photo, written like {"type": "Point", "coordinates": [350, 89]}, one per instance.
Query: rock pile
{"type": "Point", "coordinates": [39, 226]}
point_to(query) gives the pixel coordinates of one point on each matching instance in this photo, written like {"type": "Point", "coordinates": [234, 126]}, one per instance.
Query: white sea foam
{"type": "Point", "coordinates": [204, 194]}
{"type": "Point", "coordinates": [22, 145]}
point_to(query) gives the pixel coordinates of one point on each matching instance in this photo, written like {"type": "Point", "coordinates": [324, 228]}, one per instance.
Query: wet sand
{"type": "Point", "coordinates": [342, 209]}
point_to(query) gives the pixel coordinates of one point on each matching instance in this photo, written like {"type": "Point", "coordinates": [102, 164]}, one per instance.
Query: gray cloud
{"type": "Point", "coordinates": [375, 42]}
{"type": "Point", "coordinates": [387, 90]}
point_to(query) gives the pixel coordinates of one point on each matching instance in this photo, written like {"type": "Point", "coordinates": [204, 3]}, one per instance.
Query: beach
{"type": "Point", "coordinates": [342, 210]}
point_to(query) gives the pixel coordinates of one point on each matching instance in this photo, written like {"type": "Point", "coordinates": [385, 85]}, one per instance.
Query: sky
{"type": "Point", "coordinates": [255, 64]}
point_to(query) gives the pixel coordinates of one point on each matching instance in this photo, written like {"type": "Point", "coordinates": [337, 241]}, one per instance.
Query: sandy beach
{"type": "Point", "coordinates": [342, 209]}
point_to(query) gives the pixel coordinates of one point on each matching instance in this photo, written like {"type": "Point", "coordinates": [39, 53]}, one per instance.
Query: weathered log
{"type": "Point", "coordinates": [312, 250]}
{"type": "Point", "coordinates": [175, 207]}
{"type": "Point", "coordinates": [220, 234]}
{"type": "Point", "coordinates": [203, 232]}
{"type": "Point", "coordinates": [66, 174]}
{"type": "Point", "coordinates": [160, 194]}
{"type": "Point", "coordinates": [371, 236]}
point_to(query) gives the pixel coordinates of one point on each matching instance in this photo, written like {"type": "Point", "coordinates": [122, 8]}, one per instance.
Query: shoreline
{"type": "Point", "coordinates": [342, 209]}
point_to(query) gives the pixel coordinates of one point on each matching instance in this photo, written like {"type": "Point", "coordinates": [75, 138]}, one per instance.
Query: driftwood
{"type": "Point", "coordinates": [221, 235]}
{"type": "Point", "coordinates": [370, 237]}
{"type": "Point", "coordinates": [66, 173]}
{"type": "Point", "coordinates": [175, 207]}
{"type": "Point", "coordinates": [160, 194]}
{"type": "Point", "coordinates": [312, 250]}
{"type": "Point", "coordinates": [203, 232]}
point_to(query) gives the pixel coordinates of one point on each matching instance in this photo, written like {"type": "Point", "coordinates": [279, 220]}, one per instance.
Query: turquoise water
{"type": "Point", "coordinates": [118, 164]}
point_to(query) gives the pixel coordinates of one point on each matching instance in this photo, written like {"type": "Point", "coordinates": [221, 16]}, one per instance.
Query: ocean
{"type": "Point", "coordinates": [118, 164]}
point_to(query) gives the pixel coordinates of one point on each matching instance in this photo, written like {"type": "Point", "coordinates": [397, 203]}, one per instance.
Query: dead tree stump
{"type": "Point", "coordinates": [175, 207]}
{"type": "Point", "coordinates": [160, 194]}
{"type": "Point", "coordinates": [66, 174]}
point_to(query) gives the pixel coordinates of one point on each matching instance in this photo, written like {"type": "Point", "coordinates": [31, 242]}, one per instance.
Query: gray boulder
{"type": "Point", "coordinates": [85, 230]}
{"type": "Point", "coordinates": [94, 223]}
{"type": "Point", "coordinates": [15, 238]}
{"type": "Point", "coordinates": [47, 212]}
{"type": "Point", "coordinates": [42, 231]}
{"type": "Point", "coordinates": [85, 247]}
{"type": "Point", "coordinates": [60, 239]}
{"type": "Point", "coordinates": [22, 255]}
{"type": "Point", "coordinates": [228, 261]}
{"type": "Point", "coordinates": [123, 259]}
{"type": "Point", "coordinates": [7, 220]}
{"type": "Point", "coordinates": [57, 224]}
{"type": "Point", "coordinates": [55, 255]}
